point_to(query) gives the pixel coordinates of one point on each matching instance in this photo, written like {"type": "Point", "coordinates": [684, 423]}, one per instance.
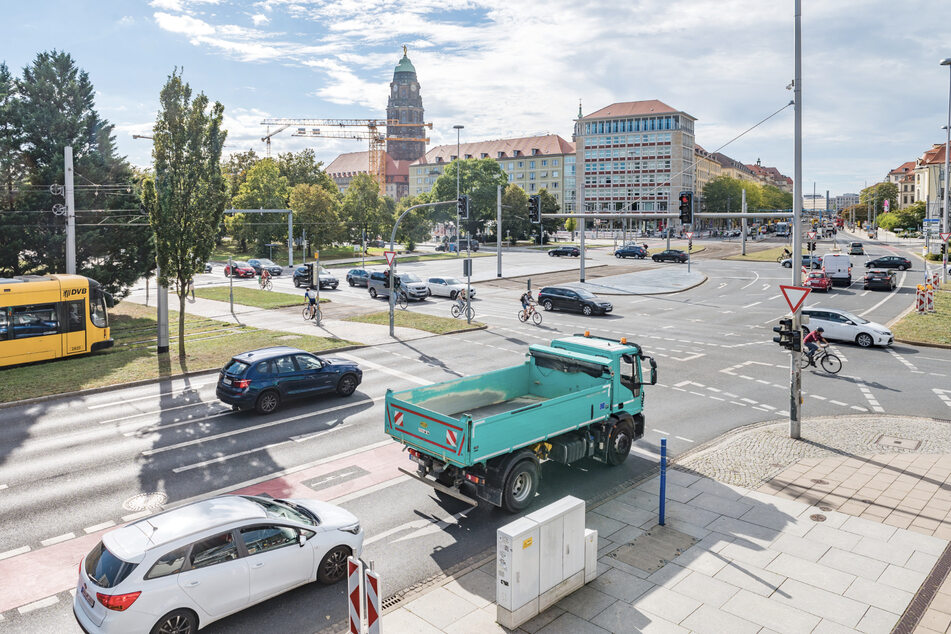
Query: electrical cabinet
{"type": "Point", "coordinates": [517, 559]}
{"type": "Point", "coordinates": [561, 531]}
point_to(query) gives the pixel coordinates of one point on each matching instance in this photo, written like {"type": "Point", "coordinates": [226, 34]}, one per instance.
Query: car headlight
{"type": "Point", "coordinates": [353, 529]}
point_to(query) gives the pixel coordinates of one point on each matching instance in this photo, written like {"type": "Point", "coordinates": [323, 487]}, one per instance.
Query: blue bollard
{"type": "Point", "coordinates": [663, 478]}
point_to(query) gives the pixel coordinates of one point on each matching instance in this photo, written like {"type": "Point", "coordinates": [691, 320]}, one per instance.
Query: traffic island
{"type": "Point", "coordinates": [418, 321]}
{"type": "Point", "coordinates": [927, 329]}
{"type": "Point", "coordinates": [671, 278]}
{"type": "Point", "coordinates": [253, 297]}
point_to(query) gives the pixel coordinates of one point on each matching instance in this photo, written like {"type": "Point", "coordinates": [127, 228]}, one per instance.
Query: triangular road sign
{"type": "Point", "coordinates": [389, 256]}
{"type": "Point", "coordinates": [945, 236]}
{"type": "Point", "coordinates": [795, 296]}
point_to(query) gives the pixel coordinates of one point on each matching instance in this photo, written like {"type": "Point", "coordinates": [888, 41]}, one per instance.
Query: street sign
{"type": "Point", "coordinates": [812, 235]}
{"type": "Point", "coordinates": [885, 204]}
{"type": "Point", "coordinates": [689, 235]}
{"type": "Point", "coordinates": [931, 220]}
{"type": "Point", "coordinates": [389, 257]}
{"type": "Point", "coordinates": [945, 236]}
{"type": "Point", "coordinates": [316, 255]}
{"type": "Point", "coordinates": [794, 295]}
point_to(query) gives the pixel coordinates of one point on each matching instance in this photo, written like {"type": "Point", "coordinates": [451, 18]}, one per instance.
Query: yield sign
{"type": "Point", "coordinates": [389, 256]}
{"type": "Point", "coordinates": [945, 236]}
{"type": "Point", "coordinates": [689, 235]}
{"type": "Point", "coordinates": [795, 296]}
{"type": "Point", "coordinates": [812, 235]}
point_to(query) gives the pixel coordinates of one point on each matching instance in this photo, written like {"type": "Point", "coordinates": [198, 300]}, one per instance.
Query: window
{"type": "Point", "coordinates": [511, 166]}
{"type": "Point", "coordinates": [263, 368]}
{"type": "Point", "coordinates": [106, 569]}
{"type": "Point", "coordinates": [167, 564]}
{"type": "Point", "coordinates": [521, 163]}
{"type": "Point", "coordinates": [75, 316]}
{"type": "Point", "coordinates": [4, 323]}
{"type": "Point", "coordinates": [260, 539]}
{"type": "Point", "coordinates": [554, 174]}
{"type": "Point", "coordinates": [520, 175]}
{"type": "Point", "coordinates": [554, 162]}
{"type": "Point", "coordinates": [544, 163]}
{"type": "Point", "coordinates": [531, 165]}
{"type": "Point", "coordinates": [35, 320]}
{"type": "Point", "coordinates": [307, 362]}
{"type": "Point", "coordinates": [531, 187]}
{"type": "Point", "coordinates": [214, 550]}
{"type": "Point", "coordinates": [283, 365]}
{"type": "Point", "coordinates": [531, 176]}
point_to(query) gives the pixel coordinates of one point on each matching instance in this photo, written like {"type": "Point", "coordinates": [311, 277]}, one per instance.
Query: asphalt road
{"type": "Point", "coordinates": [72, 466]}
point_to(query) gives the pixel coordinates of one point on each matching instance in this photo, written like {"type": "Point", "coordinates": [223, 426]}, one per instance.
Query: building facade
{"type": "Point", "coordinates": [904, 177]}
{"type": "Point", "coordinates": [844, 201]}
{"type": "Point", "coordinates": [343, 168]}
{"type": "Point", "coordinates": [707, 169]}
{"type": "Point", "coordinates": [929, 180]}
{"type": "Point", "coordinates": [405, 105]}
{"type": "Point", "coordinates": [533, 163]}
{"type": "Point", "coordinates": [635, 155]}
{"type": "Point", "coordinates": [771, 176]}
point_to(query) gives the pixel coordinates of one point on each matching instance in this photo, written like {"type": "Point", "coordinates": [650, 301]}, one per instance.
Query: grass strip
{"type": "Point", "coordinates": [409, 258]}
{"type": "Point", "coordinates": [419, 321]}
{"type": "Point", "coordinates": [765, 255]}
{"type": "Point", "coordinates": [253, 296]}
{"type": "Point", "coordinates": [927, 327]}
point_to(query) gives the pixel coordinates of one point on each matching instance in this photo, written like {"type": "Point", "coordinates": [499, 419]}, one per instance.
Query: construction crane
{"type": "Point", "coordinates": [267, 138]}
{"type": "Point", "coordinates": [366, 129]}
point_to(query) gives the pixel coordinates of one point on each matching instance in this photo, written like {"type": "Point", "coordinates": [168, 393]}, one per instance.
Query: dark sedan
{"type": "Point", "coordinates": [263, 379]}
{"type": "Point", "coordinates": [880, 278]}
{"type": "Point", "coordinates": [358, 277]}
{"type": "Point", "coordinates": [239, 269]}
{"type": "Point", "coordinates": [631, 252]}
{"type": "Point", "coordinates": [572, 251]}
{"type": "Point", "coordinates": [670, 255]}
{"type": "Point", "coordinates": [889, 262]}
{"type": "Point", "coordinates": [265, 265]}
{"type": "Point", "coordinates": [576, 299]}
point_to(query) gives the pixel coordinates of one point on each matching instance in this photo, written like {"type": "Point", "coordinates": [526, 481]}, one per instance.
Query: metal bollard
{"type": "Point", "coordinates": [663, 478]}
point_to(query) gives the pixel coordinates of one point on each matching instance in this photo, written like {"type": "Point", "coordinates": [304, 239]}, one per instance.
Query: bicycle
{"type": "Point", "coordinates": [829, 362]}
{"type": "Point", "coordinates": [401, 300]}
{"type": "Point", "coordinates": [530, 313]}
{"type": "Point", "coordinates": [265, 283]}
{"type": "Point", "coordinates": [312, 311]}
{"type": "Point", "coordinates": [783, 256]}
{"type": "Point", "coordinates": [460, 308]}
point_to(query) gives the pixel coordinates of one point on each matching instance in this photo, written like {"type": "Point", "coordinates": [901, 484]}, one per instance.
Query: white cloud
{"type": "Point", "coordinates": [260, 19]}
{"type": "Point", "coordinates": [186, 25]}
{"type": "Point", "coordinates": [126, 20]}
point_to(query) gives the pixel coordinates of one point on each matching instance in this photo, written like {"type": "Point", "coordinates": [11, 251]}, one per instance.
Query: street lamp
{"type": "Point", "coordinates": [457, 128]}
{"type": "Point", "coordinates": [947, 142]}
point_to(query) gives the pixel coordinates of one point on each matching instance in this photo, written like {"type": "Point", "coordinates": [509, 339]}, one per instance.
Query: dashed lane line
{"type": "Point", "coordinates": [131, 517]}
{"type": "Point", "coordinates": [99, 527]}
{"type": "Point", "coordinates": [683, 439]}
{"type": "Point", "coordinates": [192, 389]}
{"type": "Point", "coordinates": [943, 395]}
{"type": "Point", "coordinates": [908, 364]}
{"type": "Point", "coordinates": [661, 432]}
{"type": "Point", "coordinates": [36, 605]}
{"type": "Point", "coordinates": [867, 393]}
{"type": "Point", "coordinates": [57, 539]}
{"type": "Point", "coordinates": [14, 552]}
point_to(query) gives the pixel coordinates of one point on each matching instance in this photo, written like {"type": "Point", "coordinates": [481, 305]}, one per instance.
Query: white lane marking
{"type": "Point", "coordinates": [57, 539]}
{"type": "Point", "coordinates": [383, 368]}
{"type": "Point", "coordinates": [423, 527]}
{"type": "Point", "coordinates": [753, 304]}
{"type": "Point", "coordinates": [682, 383]}
{"type": "Point", "coordinates": [14, 552]}
{"type": "Point", "coordinates": [765, 287]}
{"type": "Point", "coordinates": [646, 453]}
{"type": "Point", "coordinates": [683, 439]}
{"type": "Point", "coordinates": [716, 398]}
{"type": "Point", "coordinates": [661, 432]}
{"type": "Point", "coordinates": [99, 527]}
{"type": "Point", "coordinates": [131, 517]}
{"type": "Point", "coordinates": [146, 398]}
{"type": "Point", "coordinates": [343, 499]}
{"type": "Point", "coordinates": [3, 486]}
{"type": "Point", "coordinates": [151, 428]}
{"type": "Point", "coordinates": [753, 282]}
{"type": "Point", "coordinates": [158, 411]}
{"type": "Point", "coordinates": [867, 393]}
{"type": "Point", "coordinates": [220, 459]}
{"type": "Point", "coordinates": [901, 282]}
{"type": "Point", "coordinates": [865, 293]}
{"type": "Point", "coordinates": [152, 452]}
{"type": "Point", "coordinates": [839, 403]}
{"type": "Point", "coordinates": [748, 400]}
{"type": "Point", "coordinates": [943, 395]}
{"type": "Point", "coordinates": [821, 398]}
{"type": "Point", "coordinates": [36, 605]}
{"type": "Point", "coordinates": [713, 389]}
{"type": "Point", "coordinates": [908, 364]}
{"type": "Point", "coordinates": [774, 297]}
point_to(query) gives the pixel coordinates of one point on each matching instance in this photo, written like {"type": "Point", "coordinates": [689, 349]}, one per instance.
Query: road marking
{"type": "Point", "coordinates": [3, 486]}
{"type": "Point", "coordinates": [14, 552]}
{"type": "Point", "coordinates": [57, 539]}
{"type": "Point", "coordinates": [753, 304]}
{"type": "Point", "coordinates": [713, 389]}
{"type": "Point", "coordinates": [146, 398]}
{"type": "Point", "coordinates": [382, 368]}
{"type": "Point", "coordinates": [716, 398]}
{"type": "Point", "coordinates": [821, 398]}
{"type": "Point", "coordinates": [661, 432]}
{"type": "Point", "coordinates": [839, 403]}
{"type": "Point", "coordinates": [645, 452]}
{"type": "Point", "coordinates": [682, 383]}
{"type": "Point", "coordinates": [131, 517]}
{"type": "Point", "coordinates": [99, 527]}
{"type": "Point", "coordinates": [774, 297]}
{"type": "Point", "coordinates": [152, 428]}
{"type": "Point", "coordinates": [303, 437]}
{"type": "Point", "coordinates": [887, 297]}
{"type": "Point", "coordinates": [343, 499]}
{"type": "Point", "coordinates": [865, 293]}
{"type": "Point", "coordinates": [423, 527]}
{"type": "Point", "coordinates": [867, 393]}
{"type": "Point", "coordinates": [36, 605]}
{"type": "Point", "coordinates": [158, 411]}
{"type": "Point", "coordinates": [753, 282]}
{"type": "Point", "coordinates": [683, 439]}
{"type": "Point", "coordinates": [908, 364]}
{"type": "Point", "coordinates": [690, 358]}
{"type": "Point", "coordinates": [748, 400]}
{"type": "Point", "coordinates": [943, 395]}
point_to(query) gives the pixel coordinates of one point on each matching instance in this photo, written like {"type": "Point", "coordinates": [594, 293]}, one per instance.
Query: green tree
{"type": "Point", "coordinates": [417, 225]}
{"type": "Point", "coordinates": [186, 200]}
{"type": "Point", "coordinates": [236, 169]}
{"type": "Point", "coordinates": [773, 197]}
{"type": "Point", "coordinates": [478, 178]}
{"type": "Point", "coordinates": [54, 108]}
{"type": "Point", "coordinates": [548, 204]}
{"type": "Point", "coordinates": [264, 188]}
{"type": "Point", "coordinates": [364, 209]}
{"type": "Point", "coordinates": [304, 168]}
{"type": "Point", "coordinates": [12, 174]}
{"type": "Point", "coordinates": [724, 194]}
{"type": "Point", "coordinates": [908, 218]}
{"type": "Point", "coordinates": [515, 212]}
{"type": "Point", "coordinates": [316, 212]}
{"type": "Point", "coordinates": [877, 194]}
{"type": "Point", "coordinates": [571, 224]}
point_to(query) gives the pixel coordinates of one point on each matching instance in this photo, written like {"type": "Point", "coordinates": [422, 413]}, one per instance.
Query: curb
{"type": "Point", "coordinates": [923, 344]}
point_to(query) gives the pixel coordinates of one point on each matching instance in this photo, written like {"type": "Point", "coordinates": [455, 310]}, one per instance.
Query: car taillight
{"type": "Point", "coordinates": [242, 383]}
{"type": "Point", "coordinates": [475, 479]}
{"type": "Point", "coordinates": [117, 602]}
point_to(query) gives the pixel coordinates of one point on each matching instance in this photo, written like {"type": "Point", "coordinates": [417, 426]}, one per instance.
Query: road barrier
{"type": "Point", "coordinates": [372, 588]}
{"type": "Point", "coordinates": [921, 301]}
{"type": "Point", "coordinates": [354, 595]}
{"type": "Point", "coordinates": [363, 598]}
{"type": "Point", "coordinates": [929, 295]}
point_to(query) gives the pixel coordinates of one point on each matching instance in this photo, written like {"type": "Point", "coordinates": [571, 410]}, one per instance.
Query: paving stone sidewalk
{"type": "Point", "coordinates": [846, 530]}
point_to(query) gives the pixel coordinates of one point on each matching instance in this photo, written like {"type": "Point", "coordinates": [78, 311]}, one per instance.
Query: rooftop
{"type": "Point", "coordinates": [904, 168]}
{"type": "Point", "coordinates": [633, 109]}
{"type": "Point", "coordinates": [510, 148]}
{"type": "Point", "coordinates": [932, 156]}
{"type": "Point", "coordinates": [351, 163]}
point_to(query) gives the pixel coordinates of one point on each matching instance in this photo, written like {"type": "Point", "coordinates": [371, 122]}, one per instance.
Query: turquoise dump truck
{"type": "Point", "coordinates": [487, 434]}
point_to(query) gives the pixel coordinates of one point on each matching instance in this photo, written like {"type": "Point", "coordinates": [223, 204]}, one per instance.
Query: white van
{"type": "Point", "coordinates": [838, 267]}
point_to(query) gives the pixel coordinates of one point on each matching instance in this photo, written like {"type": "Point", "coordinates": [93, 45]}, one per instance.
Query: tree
{"type": "Point", "coordinates": [54, 107]}
{"type": "Point", "coordinates": [548, 204]}
{"type": "Point", "coordinates": [571, 224]}
{"type": "Point", "coordinates": [773, 197]}
{"type": "Point", "coordinates": [264, 188]}
{"type": "Point", "coordinates": [877, 194]}
{"type": "Point", "coordinates": [724, 194]}
{"type": "Point", "coordinates": [515, 212]}
{"type": "Point", "coordinates": [316, 213]}
{"type": "Point", "coordinates": [236, 169]}
{"type": "Point", "coordinates": [417, 225]}
{"type": "Point", "coordinates": [186, 200]}
{"type": "Point", "coordinates": [12, 173]}
{"type": "Point", "coordinates": [478, 178]}
{"type": "Point", "coordinates": [364, 209]}
{"type": "Point", "coordinates": [908, 218]}
{"type": "Point", "coordinates": [304, 168]}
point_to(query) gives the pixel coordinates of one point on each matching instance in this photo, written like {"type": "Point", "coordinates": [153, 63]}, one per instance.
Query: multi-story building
{"type": "Point", "coordinates": [343, 168]}
{"type": "Point", "coordinates": [734, 168]}
{"type": "Point", "coordinates": [634, 155]}
{"type": "Point", "coordinates": [844, 201]}
{"type": "Point", "coordinates": [929, 180]}
{"type": "Point", "coordinates": [904, 177]}
{"type": "Point", "coordinates": [771, 176]}
{"type": "Point", "coordinates": [533, 163]}
{"type": "Point", "coordinates": [708, 168]}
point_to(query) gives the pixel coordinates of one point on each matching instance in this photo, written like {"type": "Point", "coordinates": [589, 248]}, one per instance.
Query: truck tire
{"type": "Point", "coordinates": [620, 441]}
{"type": "Point", "coordinates": [520, 486]}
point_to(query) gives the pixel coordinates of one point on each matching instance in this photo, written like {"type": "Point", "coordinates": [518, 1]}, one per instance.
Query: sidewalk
{"type": "Point", "coordinates": [846, 530]}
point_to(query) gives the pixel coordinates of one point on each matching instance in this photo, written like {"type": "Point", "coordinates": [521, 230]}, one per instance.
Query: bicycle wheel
{"type": "Point", "coordinates": [522, 316]}
{"type": "Point", "coordinates": [401, 300]}
{"type": "Point", "coordinates": [470, 313]}
{"type": "Point", "coordinates": [537, 318]}
{"type": "Point", "coordinates": [803, 361]}
{"type": "Point", "coordinates": [317, 316]}
{"type": "Point", "coordinates": [455, 311]}
{"type": "Point", "coordinates": [831, 363]}
{"type": "Point", "coordinates": [306, 313]}
{"type": "Point", "coordinates": [268, 285]}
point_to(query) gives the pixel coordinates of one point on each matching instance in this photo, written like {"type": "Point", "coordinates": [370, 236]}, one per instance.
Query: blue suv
{"type": "Point", "coordinates": [263, 379]}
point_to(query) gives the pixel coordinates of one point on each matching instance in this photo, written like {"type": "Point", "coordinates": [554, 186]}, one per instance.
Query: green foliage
{"type": "Point", "coordinates": [908, 218]}
{"type": "Point", "coordinates": [236, 169]}
{"type": "Point", "coordinates": [363, 208]}
{"type": "Point", "coordinates": [417, 225]}
{"type": "Point", "coordinates": [303, 168]}
{"type": "Point", "coordinates": [515, 212]}
{"type": "Point", "coordinates": [877, 194]}
{"type": "Point", "coordinates": [264, 188]}
{"type": "Point", "coordinates": [316, 212]}
{"type": "Point", "coordinates": [186, 201]}
{"type": "Point", "coordinates": [571, 224]}
{"type": "Point", "coordinates": [772, 197]}
{"type": "Point", "coordinates": [478, 178]}
{"type": "Point", "coordinates": [724, 194]}
{"type": "Point", "coordinates": [549, 205]}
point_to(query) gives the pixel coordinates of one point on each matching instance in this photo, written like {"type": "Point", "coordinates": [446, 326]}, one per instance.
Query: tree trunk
{"type": "Point", "coordinates": [182, 293]}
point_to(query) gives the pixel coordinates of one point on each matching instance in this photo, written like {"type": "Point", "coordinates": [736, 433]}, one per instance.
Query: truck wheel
{"type": "Point", "coordinates": [520, 486]}
{"type": "Point", "coordinates": [619, 443]}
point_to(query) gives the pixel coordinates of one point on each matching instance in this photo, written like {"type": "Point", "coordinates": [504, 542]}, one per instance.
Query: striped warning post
{"type": "Point", "coordinates": [920, 298]}
{"type": "Point", "coordinates": [929, 298]}
{"type": "Point", "coordinates": [353, 595]}
{"type": "Point", "coordinates": [373, 602]}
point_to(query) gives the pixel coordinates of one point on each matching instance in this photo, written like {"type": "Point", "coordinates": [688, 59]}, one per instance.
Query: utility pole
{"type": "Point", "coordinates": [498, 230]}
{"type": "Point", "coordinates": [795, 388]}
{"type": "Point", "coordinates": [162, 306]}
{"type": "Point", "coordinates": [945, 225]}
{"type": "Point", "coordinates": [743, 223]}
{"type": "Point", "coordinates": [457, 128]}
{"type": "Point", "coordinates": [70, 213]}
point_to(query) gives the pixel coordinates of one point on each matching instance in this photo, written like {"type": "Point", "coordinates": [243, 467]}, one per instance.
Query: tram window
{"type": "Point", "coordinates": [76, 318]}
{"type": "Point", "coordinates": [4, 324]}
{"type": "Point", "coordinates": [97, 309]}
{"type": "Point", "coordinates": [35, 320]}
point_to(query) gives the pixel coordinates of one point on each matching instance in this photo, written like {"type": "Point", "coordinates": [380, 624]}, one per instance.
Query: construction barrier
{"type": "Point", "coordinates": [363, 598]}
{"type": "Point", "coordinates": [929, 298]}
{"type": "Point", "coordinates": [920, 301]}
{"type": "Point", "coordinates": [372, 587]}
{"type": "Point", "coordinates": [354, 594]}
{"type": "Point", "coordinates": [936, 279]}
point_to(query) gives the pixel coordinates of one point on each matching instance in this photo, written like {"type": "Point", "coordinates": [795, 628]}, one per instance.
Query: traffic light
{"type": "Point", "coordinates": [788, 338]}
{"type": "Point", "coordinates": [462, 207]}
{"type": "Point", "coordinates": [534, 209]}
{"type": "Point", "coordinates": [686, 207]}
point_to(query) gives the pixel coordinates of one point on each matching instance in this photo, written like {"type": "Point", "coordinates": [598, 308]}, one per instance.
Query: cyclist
{"type": "Point", "coordinates": [311, 295]}
{"type": "Point", "coordinates": [265, 276]}
{"type": "Point", "coordinates": [526, 300]}
{"type": "Point", "coordinates": [810, 341]}
{"type": "Point", "coordinates": [786, 253]}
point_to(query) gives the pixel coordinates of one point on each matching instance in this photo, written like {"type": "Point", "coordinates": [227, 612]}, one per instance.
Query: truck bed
{"type": "Point", "coordinates": [498, 408]}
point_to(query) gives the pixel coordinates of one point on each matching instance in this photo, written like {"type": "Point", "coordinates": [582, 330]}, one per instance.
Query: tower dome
{"type": "Point", "coordinates": [405, 105]}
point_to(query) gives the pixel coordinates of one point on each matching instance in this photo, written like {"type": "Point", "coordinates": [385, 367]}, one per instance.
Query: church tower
{"type": "Point", "coordinates": [405, 105]}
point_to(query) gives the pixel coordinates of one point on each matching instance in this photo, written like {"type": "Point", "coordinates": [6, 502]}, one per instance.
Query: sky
{"type": "Point", "coordinates": [874, 94]}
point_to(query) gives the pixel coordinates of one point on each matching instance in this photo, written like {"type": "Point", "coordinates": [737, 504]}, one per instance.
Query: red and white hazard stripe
{"type": "Point", "coordinates": [398, 419]}
{"type": "Point", "coordinates": [373, 602]}
{"type": "Point", "coordinates": [353, 594]}
{"type": "Point", "coordinates": [450, 437]}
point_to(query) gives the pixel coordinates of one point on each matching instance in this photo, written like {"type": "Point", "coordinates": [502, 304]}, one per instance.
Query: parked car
{"type": "Point", "coordinates": [464, 244]}
{"type": "Point", "coordinates": [448, 287]}
{"type": "Point", "coordinates": [376, 244]}
{"type": "Point", "coordinates": [326, 279]}
{"type": "Point", "coordinates": [263, 379]}
{"type": "Point", "coordinates": [838, 266]}
{"type": "Point", "coordinates": [670, 255]}
{"type": "Point", "coordinates": [410, 284]}
{"type": "Point", "coordinates": [265, 264]}
{"type": "Point", "coordinates": [184, 568]}
{"type": "Point", "coordinates": [576, 299]}
{"type": "Point", "coordinates": [239, 269]}
{"type": "Point", "coordinates": [572, 251]}
{"type": "Point", "coordinates": [808, 261]}
{"type": "Point", "coordinates": [358, 277]}
{"type": "Point", "coordinates": [207, 267]}
{"type": "Point", "coordinates": [631, 251]}
{"type": "Point", "coordinates": [818, 281]}
{"type": "Point", "coordinates": [856, 248]}
{"type": "Point", "coordinates": [889, 262]}
{"type": "Point", "coordinates": [844, 326]}
{"type": "Point", "coordinates": [880, 278]}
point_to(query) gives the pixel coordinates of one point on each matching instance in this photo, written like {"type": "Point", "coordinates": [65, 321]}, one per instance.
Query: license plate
{"type": "Point", "coordinates": [226, 381]}
{"type": "Point", "coordinates": [82, 590]}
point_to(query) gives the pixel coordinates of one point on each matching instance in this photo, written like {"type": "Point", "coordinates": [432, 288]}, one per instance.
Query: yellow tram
{"type": "Point", "coordinates": [47, 317]}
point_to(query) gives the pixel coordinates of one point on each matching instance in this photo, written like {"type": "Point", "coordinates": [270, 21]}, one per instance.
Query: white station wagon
{"type": "Point", "coordinates": [448, 287]}
{"type": "Point", "coordinates": [178, 571]}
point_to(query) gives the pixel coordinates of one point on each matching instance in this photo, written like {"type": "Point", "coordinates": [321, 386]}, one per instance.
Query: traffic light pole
{"type": "Point", "coordinates": [795, 372]}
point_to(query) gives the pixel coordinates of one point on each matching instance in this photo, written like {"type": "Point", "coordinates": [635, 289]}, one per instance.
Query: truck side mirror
{"type": "Point", "coordinates": [653, 365]}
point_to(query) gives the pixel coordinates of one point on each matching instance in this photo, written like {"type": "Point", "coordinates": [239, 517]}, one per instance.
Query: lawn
{"type": "Point", "coordinates": [419, 321]}
{"type": "Point", "coordinates": [229, 248]}
{"type": "Point", "coordinates": [928, 327]}
{"type": "Point", "coordinates": [409, 258]}
{"type": "Point", "coordinates": [208, 343]}
{"type": "Point", "coordinates": [766, 255]}
{"type": "Point", "coordinates": [252, 296]}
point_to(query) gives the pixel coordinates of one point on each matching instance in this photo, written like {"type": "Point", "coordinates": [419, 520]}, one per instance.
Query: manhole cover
{"type": "Point", "coordinates": [825, 509]}
{"type": "Point", "coordinates": [145, 502]}
{"type": "Point", "coordinates": [818, 481]}
{"type": "Point", "coordinates": [817, 517]}
{"type": "Point", "coordinates": [894, 441]}
{"type": "Point", "coordinates": [652, 550]}
{"type": "Point", "coordinates": [777, 465]}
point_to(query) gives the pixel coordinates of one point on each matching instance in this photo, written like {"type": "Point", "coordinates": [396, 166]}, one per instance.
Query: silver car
{"type": "Point", "coordinates": [448, 287]}
{"type": "Point", "coordinates": [410, 284]}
